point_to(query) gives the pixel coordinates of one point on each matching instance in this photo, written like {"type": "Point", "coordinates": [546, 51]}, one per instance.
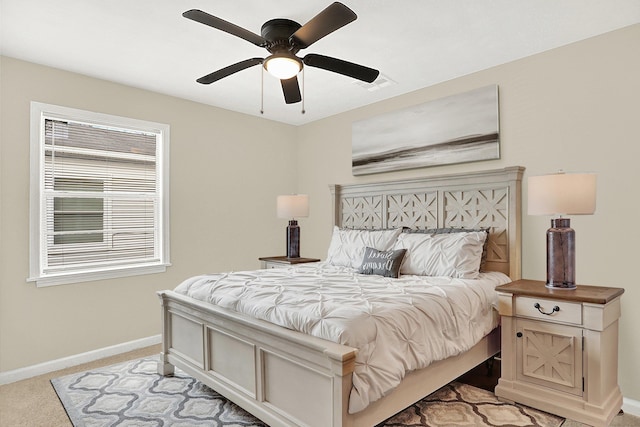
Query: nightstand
{"type": "Point", "coordinates": [560, 349]}
{"type": "Point", "coordinates": [283, 261]}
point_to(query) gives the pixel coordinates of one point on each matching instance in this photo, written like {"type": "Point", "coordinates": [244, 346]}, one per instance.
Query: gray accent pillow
{"type": "Point", "coordinates": [382, 263]}
{"type": "Point", "coordinates": [347, 245]}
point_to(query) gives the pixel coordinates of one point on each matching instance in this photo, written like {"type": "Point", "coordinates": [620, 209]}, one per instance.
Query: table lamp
{"type": "Point", "coordinates": [562, 194]}
{"type": "Point", "coordinates": [292, 207]}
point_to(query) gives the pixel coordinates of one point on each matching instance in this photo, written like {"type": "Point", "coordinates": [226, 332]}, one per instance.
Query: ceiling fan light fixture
{"type": "Point", "coordinates": [283, 65]}
{"type": "Point", "coordinates": [283, 39]}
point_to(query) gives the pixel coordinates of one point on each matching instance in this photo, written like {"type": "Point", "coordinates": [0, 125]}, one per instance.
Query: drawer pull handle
{"type": "Point", "coordinates": [555, 308]}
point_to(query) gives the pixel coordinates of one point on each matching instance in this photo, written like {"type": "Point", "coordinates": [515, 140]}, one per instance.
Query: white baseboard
{"type": "Point", "coordinates": [630, 406]}
{"type": "Point", "coordinates": [78, 359]}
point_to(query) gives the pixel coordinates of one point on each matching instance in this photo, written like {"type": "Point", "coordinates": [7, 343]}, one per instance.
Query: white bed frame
{"type": "Point", "coordinates": [286, 378]}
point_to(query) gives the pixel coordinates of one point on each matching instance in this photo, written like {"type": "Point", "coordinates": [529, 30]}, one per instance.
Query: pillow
{"type": "Point", "coordinates": [347, 245]}
{"type": "Point", "coordinates": [382, 263]}
{"type": "Point", "coordinates": [448, 230]}
{"type": "Point", "coordinates": [451, 254]}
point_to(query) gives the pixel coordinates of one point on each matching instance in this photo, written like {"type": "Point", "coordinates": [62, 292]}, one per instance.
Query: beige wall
{"type": "Point", "coordinates": [226, 171]}
{"type": "Point", "coordinates": [575, 108]}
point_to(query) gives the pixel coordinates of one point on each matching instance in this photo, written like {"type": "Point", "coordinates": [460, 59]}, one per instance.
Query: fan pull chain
{"type": "Point", "coordinates": [262, 90]}
{"type": "Point", "coordinates": [303, 110]}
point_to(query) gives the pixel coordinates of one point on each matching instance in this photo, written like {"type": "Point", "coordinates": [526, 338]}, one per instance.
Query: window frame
{"type": "Point", "coordinates": [38, 210]}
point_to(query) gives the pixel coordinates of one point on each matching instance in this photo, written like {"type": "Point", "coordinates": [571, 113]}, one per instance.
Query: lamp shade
{"type": "Point", "coordinates": [563, 194]}
{"type": "Point", "coordinates": [293, 206]}
{"type": "Point", "coordinates": [283, 65]}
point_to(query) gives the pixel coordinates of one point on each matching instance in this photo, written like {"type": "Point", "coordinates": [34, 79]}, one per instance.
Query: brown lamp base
{"type": "Point", "coordinates": [293, 239]}
{"type": "Point", "coordinates": [561, 255]}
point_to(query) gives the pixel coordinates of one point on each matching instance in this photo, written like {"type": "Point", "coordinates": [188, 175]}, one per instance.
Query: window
{"type": "Point", "coordinates": [99, 196]}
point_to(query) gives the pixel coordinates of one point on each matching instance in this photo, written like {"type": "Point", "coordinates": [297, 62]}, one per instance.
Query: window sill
{"type": "Point", "coordinates": [88, 276]}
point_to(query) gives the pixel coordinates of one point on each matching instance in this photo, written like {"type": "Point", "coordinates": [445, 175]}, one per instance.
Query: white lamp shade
{"type": "Point", "coordinates": [293, 206]}
{"type": "Point", "coordinates": [563, 194]}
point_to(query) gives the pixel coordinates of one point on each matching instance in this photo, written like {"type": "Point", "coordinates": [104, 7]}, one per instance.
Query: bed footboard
{"type": "Point", "coordinates": [283, 377]}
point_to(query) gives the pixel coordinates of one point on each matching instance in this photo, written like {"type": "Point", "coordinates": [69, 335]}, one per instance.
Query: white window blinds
{"type": "Point", "coordinates": [101, 198]}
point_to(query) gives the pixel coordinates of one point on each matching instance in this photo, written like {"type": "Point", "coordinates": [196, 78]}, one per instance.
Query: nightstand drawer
{"type": "Point", "coordinates": [566, 312]}
{"type": "Point", "coordinates": [268, 264]}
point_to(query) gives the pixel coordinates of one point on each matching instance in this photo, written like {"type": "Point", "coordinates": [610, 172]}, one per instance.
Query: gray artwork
{"type": "Point", "coordinates": [456, 129]}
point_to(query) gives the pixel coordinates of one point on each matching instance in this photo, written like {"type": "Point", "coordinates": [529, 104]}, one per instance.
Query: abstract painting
{"type": "Point", "coordinates": [456, 129]}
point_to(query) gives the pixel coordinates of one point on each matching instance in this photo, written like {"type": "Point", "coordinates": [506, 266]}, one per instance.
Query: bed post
{"type": "Point", "coordinates": [514, 178]}
{"type": "Point", "coordinates": [335, 204]}
{"type": "Point", "coordinates": [164, 367]}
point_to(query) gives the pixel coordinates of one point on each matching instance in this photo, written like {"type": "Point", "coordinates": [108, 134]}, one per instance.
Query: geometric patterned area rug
{"type": "Point", "coordinates": [134, 394]}
{"type": "Point", "coordinates": [458, 404]}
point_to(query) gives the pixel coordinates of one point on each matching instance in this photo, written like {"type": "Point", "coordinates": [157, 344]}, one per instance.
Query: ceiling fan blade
{"type": "Point", "coordinates": [222, 25]}
{"type": "Point", "coordinates": [330, 19]}
{"type": "Point", "coordinates": [291, 90]}
{"type": "Point", "coordinates": [340, 66]}
{"type": "Point", "coordinates": [227, 71]}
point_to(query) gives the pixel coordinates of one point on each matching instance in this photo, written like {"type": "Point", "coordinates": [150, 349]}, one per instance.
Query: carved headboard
{"type": "Point", "coordinates": [471, 200]}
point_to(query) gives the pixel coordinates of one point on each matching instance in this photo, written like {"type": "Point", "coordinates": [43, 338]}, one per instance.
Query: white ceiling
{"type": "Point", "coordinates": [414, 43]}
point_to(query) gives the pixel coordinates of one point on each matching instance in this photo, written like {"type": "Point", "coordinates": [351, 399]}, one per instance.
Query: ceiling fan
{"type": "Point", "coordinates": [283, 38]}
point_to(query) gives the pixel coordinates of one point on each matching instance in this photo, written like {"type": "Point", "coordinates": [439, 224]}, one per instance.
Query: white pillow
{"type": "Point", "coordinates": [455, 255]}
{"type": "Point", "coordinates": [347, 246]}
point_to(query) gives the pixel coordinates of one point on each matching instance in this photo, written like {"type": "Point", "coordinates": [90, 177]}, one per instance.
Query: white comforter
{"type": "Point", "coordinates": [398, 325]}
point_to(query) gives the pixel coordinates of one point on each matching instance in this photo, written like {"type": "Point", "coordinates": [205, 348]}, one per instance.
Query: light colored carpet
{"type": "Point", "coordinates": [621, 420]}
{"type": "Point", "coordinates": [34, 403]}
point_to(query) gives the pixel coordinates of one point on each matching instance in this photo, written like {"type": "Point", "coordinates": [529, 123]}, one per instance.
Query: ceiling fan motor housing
{"type": "Point", "coordinates": [277, 33]}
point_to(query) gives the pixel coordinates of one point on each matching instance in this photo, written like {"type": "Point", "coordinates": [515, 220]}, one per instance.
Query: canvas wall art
{"type": "Point", "coordinates": [456, 129]}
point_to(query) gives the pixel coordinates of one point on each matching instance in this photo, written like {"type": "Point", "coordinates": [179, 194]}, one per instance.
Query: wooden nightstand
{"type": "Point", "coordinates": [283, 261]}
{"type": "Point", "coordinates": [560, 349]}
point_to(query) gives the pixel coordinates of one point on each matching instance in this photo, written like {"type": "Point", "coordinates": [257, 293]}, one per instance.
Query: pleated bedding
{"type": "Point", "coordinates": [397, 325]}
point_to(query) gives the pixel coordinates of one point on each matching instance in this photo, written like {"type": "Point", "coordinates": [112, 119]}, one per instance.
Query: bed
{"type": "Point", "coordinates": [288, 378]}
